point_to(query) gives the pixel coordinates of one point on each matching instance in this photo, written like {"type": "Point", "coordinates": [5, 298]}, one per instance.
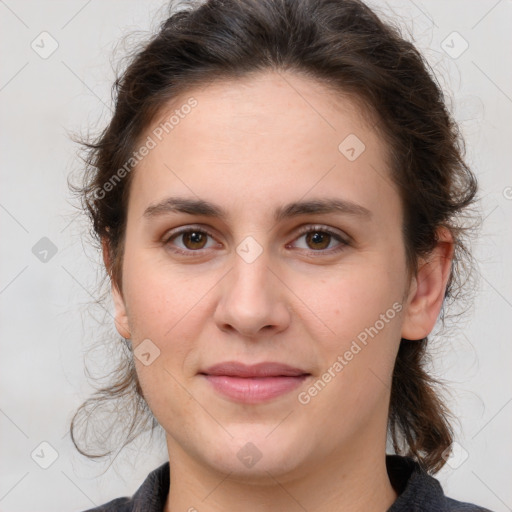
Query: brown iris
{"type": "Point", "coordinates": [317, 237]}
{"type": "Point", "coordinates": [197, 239]}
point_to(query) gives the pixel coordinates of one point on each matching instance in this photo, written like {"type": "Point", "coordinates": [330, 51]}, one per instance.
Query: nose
{"type": "Point", "coordinates": [254, 300]}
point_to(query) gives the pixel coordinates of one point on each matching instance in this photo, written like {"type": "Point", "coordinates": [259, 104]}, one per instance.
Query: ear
{"type": "Point", "coordinates": [121, 316]}
{"type": "Point", "coordinates": [427, 289]}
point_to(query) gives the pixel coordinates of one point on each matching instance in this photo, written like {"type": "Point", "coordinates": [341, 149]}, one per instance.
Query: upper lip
{"type": "Point", "coordinates": [266, 369]}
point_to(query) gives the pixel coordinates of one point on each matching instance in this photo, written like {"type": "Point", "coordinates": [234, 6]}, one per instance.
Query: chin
{"type": "Point", "coordinates": [254, 456]}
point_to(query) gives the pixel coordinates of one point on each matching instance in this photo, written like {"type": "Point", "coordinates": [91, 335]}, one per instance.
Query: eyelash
{"type": "Point", "coordinates": [310, 229]}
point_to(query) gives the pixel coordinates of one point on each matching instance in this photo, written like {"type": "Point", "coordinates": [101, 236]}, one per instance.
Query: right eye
{"type": "Point", "coordinates": [193, 239]}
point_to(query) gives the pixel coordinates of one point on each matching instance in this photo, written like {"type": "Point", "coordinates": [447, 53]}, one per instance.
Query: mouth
{"type": "Point", "coordinates": [254, 383]}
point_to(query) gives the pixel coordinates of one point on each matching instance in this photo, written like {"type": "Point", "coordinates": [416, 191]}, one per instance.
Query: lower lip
{"type": "Point", "coordinates": [254, 390]}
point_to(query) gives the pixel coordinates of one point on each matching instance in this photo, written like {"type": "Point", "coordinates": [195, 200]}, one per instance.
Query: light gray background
{"type": "Point", "coordinates": [45, 324]}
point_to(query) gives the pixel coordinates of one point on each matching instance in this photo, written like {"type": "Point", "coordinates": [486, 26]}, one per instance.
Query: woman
{"type": "Point", "coordinates": [277, 198]}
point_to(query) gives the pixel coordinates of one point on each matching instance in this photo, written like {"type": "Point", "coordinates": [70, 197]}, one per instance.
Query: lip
{"type": "Point", "coordinates": [265, 369]}
{"type": "Point", "coordinates": [254, 383]}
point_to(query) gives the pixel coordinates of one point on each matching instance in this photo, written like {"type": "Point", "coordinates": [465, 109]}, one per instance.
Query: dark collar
{"type": "Point", "coordinates": [417, 491]}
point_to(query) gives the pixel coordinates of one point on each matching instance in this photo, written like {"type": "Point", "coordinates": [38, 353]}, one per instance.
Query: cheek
{"type": "Point", "coordinates": [362, 311]}
{"type": "Point", "coordinates": [164, 309]}
{"type": "Point", "coordinates": [355, 299]}
{"type": "Point", "coordinates": [158, 310]}
{"type": "Point", "coordinates": [159, 297]}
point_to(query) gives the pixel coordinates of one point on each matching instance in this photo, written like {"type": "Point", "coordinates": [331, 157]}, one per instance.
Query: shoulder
{"type": "Point", "coordinates": [420, 492]}
{"type": "Point", "coordinates": [150, 496]}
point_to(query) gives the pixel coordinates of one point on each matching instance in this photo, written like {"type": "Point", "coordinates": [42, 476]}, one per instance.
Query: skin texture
{"type": "Point", "coordinates": [251, 146]}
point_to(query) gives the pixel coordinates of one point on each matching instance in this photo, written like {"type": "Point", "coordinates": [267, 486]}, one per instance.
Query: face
{"type": "Point", "coordinates": [269, 271]}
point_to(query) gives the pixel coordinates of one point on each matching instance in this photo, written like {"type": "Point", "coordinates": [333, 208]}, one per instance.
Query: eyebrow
{"type": "Point", "coordinates": [204, 208]}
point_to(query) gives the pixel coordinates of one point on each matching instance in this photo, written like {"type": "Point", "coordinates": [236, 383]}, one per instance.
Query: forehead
{"type": "Point", "coordinates": [264, 136]}
{"type": "Point", "coordinates": [264, 103]}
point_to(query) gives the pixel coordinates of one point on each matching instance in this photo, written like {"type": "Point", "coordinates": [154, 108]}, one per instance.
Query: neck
{"type": "Point", "coordinates": [353, 482]}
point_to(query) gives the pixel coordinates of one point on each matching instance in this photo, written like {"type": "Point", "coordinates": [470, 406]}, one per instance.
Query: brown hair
{"type": "Point", "coordinates": [343, 44]}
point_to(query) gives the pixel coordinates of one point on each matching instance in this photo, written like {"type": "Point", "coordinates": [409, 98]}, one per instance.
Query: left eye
{"type": "Point", "coordinates": [319, 239]}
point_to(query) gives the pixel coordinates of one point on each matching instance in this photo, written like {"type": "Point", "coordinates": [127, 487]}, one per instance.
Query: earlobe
{"type": "Point", "coordinates": [120, 316]}
{"type": "Point", "coordinates": [427, 290]}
